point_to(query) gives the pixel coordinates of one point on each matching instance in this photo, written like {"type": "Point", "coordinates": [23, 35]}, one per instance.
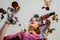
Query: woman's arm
{"type": "Point", "coordinates": [3, 30]}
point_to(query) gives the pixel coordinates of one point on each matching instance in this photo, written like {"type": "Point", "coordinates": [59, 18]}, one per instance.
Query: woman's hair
{"type": "Point", "coordinates": [36, 16]}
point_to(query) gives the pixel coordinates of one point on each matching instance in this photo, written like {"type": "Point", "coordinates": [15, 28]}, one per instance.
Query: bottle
{"type": "Point", "coordinates": [47, 15]}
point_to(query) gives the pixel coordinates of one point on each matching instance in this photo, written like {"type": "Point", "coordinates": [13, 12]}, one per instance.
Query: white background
{"type": "Point", "coordinates": [27, 10]}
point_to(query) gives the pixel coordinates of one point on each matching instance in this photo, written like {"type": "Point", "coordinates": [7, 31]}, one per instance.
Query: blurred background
{"type": "Point", "coordinates": [27, 9]}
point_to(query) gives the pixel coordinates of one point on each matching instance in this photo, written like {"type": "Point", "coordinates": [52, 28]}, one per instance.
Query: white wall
{"type": "Point", "coordinates": [28, 9]}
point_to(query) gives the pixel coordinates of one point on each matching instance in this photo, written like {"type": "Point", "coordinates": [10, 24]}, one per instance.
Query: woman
{"type": "Point", "coordinates": [34, 30]}
{"type": "Point", "coordinates": [34, 24]}
{"type": "Point", "coordinates": [22, 35]}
